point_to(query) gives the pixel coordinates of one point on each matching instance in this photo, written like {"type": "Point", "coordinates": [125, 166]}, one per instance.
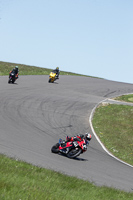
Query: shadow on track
{"type": "Point", "coordinates": [77, 158]}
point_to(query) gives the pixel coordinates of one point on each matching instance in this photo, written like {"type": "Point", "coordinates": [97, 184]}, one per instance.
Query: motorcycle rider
{"type": "Point", "coordinates": [15, 70]}
{"type": "Point", "coordinates": [80, 137]}
{"type": "Point", "coordinates": [57, 72]}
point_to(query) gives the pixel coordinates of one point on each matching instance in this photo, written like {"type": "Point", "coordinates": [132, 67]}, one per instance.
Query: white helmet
{"type": "Point", "coordinates": [88, 136]}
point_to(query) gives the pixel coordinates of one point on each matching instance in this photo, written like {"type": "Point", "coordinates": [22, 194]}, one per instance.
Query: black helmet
{"type": "Point", "coordinates": [88, 136]}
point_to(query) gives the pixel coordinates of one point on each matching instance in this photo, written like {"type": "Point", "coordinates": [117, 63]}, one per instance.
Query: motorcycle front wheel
{"type": "Point", "coordinates": [49, 80]}
{"type": "Point", "coordinates": [55, 148]}
{"type": "Point", "coordinates": [74, 153]}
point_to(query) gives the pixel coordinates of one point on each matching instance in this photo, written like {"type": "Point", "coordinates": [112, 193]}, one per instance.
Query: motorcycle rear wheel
{"type": "Point", "coordinates": [74, 153]}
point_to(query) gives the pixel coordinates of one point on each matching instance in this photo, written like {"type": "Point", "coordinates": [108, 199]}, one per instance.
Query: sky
{"type": "Point", "coordinates": [90, 37]}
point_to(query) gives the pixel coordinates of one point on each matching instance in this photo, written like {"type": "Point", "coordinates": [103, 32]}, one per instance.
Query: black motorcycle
{"type": "Point", "coordinates": [12, 77]}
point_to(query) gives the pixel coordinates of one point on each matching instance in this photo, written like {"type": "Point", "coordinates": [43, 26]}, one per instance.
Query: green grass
{"type": "Point", "coordinates": [114, 126]}
{"type": "Point", "coordinates": [20, 180]}
{"type": "Point", "coordinates": [6, 67]}
{"type": "Point", "coordinates": [127, 98]}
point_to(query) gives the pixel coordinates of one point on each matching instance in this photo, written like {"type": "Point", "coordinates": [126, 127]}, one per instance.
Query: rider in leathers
{"type": "Point", "coordinates": [57, 72]}
{"type": "Point", "coordinates": [80, 137]}
{"type": "Point", "coordinates": [15, 70]}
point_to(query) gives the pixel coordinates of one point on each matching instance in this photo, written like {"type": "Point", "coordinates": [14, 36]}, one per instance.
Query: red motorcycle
{"type": "Point", "coordinates": [71, 149]}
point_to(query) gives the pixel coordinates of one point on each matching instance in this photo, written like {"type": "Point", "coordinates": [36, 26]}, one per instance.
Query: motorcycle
{"type": "Point", "coordinates": [12, 77]}
{"type": "Point", "coordinates": [71, 149]}
{"type": "Point", "coordinates": [52, 77]}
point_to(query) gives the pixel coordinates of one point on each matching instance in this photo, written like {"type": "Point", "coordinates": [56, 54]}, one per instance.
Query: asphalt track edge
{"type": "Point", "coordinates": [102, 145]}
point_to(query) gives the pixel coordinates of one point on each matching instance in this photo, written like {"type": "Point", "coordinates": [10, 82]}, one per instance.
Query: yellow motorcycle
{"type": "Point", "coordinates": [52, 77]}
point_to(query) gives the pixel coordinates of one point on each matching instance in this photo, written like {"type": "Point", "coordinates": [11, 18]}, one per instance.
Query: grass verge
{"type": "Point", "coordinates": [20, 180]}
{"type": "Point", "coordinates": [127, 98]}
{"type": "Point", "coordinates": [6, 67]}
{"type": "Point", "coordinates": [114, 126]}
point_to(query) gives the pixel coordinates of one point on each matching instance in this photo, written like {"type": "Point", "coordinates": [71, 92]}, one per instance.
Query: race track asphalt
{"type": "Point", "coordinates": [34, 114]}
